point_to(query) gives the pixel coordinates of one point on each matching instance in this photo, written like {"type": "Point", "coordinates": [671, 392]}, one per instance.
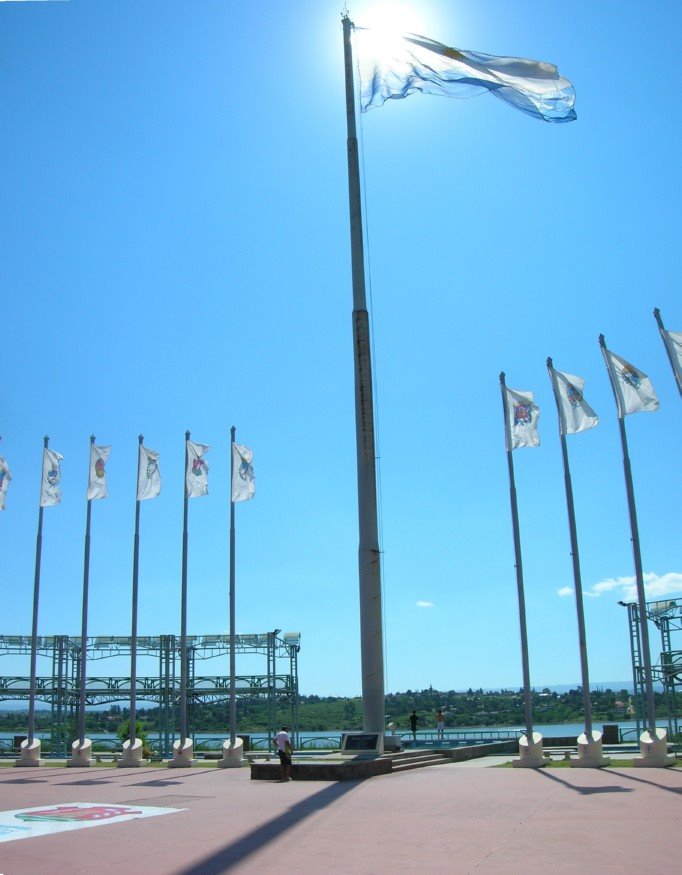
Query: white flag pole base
{"type": "Point", "coordinates": [182, 754]}
{"type": "Point", "coordinates": [233, 754]}
{"type": "Point", "coordinates": [654, 750]}
{"type": "Point", "coordinates": [30, 755]}
{"type": "Point", "coordinates": [590, 752]}
{"type": "Point", "coordinates": [132, 755]}
{"type": "Point", "coordinates": [530, 753]}
{"type": "Point", "coordinates": [81, 754]}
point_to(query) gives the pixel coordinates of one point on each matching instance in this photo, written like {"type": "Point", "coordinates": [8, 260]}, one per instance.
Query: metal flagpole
{"type": "Point", "coordinates": [634, 529]}
{"type": "Point", "coordinates": [671, 354]}
{"type": "Point", "coordinates": [577, 580]}
{"type": "Point", "coordinates": [34, 628]}
{"type": "Point", "coordinates": [519, 575]}
{"type": "Point", "coordinates": [369, 557]}
{"type": "Point", "coordinates": [183, 613]}
{"type": "Point", "coordinates": [133, 631]}
{"type": "Point", "coordinates": [233, 701]}
{"type": "Point", "coordinates": [84, 624]}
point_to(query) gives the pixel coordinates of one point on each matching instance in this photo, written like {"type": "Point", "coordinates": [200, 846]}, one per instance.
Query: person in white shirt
{"type": "Point", "coordinates": [283, 747]}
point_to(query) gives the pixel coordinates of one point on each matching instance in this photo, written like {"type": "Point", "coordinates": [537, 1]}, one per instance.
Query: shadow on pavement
{"type": "Point", "coordinates": [584, 791]}
{"type": "Point", "coordinates": [628, 777]}
{"type": "Point", "coordinates": [237, 851]}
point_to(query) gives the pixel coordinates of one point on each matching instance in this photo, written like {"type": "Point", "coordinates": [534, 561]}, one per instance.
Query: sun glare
{"type": "Point", "coordinates": [393, 17]}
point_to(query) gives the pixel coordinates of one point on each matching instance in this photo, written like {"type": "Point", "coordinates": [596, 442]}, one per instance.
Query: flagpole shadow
{"type": "Point", "coordinates": [237, 851]}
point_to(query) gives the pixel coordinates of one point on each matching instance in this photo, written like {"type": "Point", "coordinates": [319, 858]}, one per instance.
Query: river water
{"type": "Point", "coordinates": [311, 740]}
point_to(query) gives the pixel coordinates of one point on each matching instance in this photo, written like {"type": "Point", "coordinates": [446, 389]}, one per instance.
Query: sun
{"type": "Point", "coordinates": [392, 16]}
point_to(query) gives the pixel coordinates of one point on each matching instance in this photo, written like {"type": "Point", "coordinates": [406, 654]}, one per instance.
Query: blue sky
{"type": "Point", "coordinates": [176, 256]}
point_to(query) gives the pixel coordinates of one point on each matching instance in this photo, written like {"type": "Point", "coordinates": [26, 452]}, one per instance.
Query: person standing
{"type": "Point", "coordinates": [440, 724]}
{"type": "Point", "coordinates": [283, 747]}
{"type": "Point", "coordinates": [414, 721]}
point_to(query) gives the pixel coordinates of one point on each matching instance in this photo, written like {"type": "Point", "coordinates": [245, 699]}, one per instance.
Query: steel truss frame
{"type": "Point", "coordinates": [666, 615]}
{"type": "Point", "coordinates": [61, 690]}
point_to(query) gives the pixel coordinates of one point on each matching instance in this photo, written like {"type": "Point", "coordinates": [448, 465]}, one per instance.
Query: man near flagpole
{"type": "Point", "coordinates": [242, 488]}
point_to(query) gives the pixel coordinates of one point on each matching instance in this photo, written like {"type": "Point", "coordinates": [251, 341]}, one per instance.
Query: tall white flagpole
{"type": "Point", "coordinates": [525, 666]}
{"type": "Point", "coordinates": [233, 698]}
{"type": "Point", "coordinates": [636, 553]}
{"type": "Point", "coordinates": [369, 556]}
{"type": "Point", "coordinates": [34, 627]}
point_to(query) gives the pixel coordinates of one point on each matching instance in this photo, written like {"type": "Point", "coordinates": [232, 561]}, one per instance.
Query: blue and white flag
{"type": "Point", "coordinates": [243, 480]}
{"type": "Point", "coordinates": [575, 414]}
{"type": "Point", "coordinates": [97, 480]}
{"type": "Point", "coordinates": [631, 387]}
{"type": "Point", "coordinates": [392, 67]}
{"type": "Point", "coordinates": [673, 344]}
{"type": "Point", "coordinates": [148, 474]}
{"type": "Point", "coordinates": [522, 419]}
{"type": "Point", "coordinates": [196, 474]}
{"type": "Point", "coordinates": [50, 493]}
{"type": "Point", "coordinates": [5, 477]}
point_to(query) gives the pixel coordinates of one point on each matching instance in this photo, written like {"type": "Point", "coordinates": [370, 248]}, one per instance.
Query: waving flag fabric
{"type": "Point", "coordinates": [243, 480]}
{"type": "Point", "coordinates": [575, 414]}
{"type": "Point", "coordinates": [50, 492]}
{"type": "Point", "coordinates": [673, 343]}
{"type": "Point", "coordinates": [393, 67]}
{"type": "Point", "coordinates": [148, 474]}
{"type": "Point", "coordinates": [97, 483]}
{"type": "Point", "coordinates": [632, 388]}
{"type": "Point", "coordinates": [5, 477]}
{"type": "Point", "coordinates": [196, 475]}
{"type": "Point", "coordinates": [522, 419]}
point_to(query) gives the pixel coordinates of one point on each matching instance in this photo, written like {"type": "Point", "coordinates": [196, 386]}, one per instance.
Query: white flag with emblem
{"type": "Point", "coordinates": [5, 477]}
{"type": "Point", "coordinates": [148, 474]}
{"type": "Point", "coordinates": [196, 475]}
{"type": "Point", "coordinates": [632, 388]}
{"type": "Point", "coordinates": [522, 419]}
{"type": "Point", "coordinates": [575, 414]}
{"type": "Point", "coordinates": [50, 493]}
{"type": "Point", "coordinates": [673, 343]}
{"type": "Point", "coordinates": [97, 483]}
{"type": "Point", "coordinates": [243, 480]}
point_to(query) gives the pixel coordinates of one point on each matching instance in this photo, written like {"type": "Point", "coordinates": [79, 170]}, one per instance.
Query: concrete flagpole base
{"type": "Point", "coordinates": [590, 752]}
{"type": "Point", "coordinates": [530, 753]}
{"type": "Point", "coordinates": [182, 754]}
{"type": "Point", "coordinates": [81, 754]}
{"type": "Point", "coordinates": [30, 755]}
{"type": "Point", "coordinates": [232, 754]}
{"type": "Point", "coordinates": [132, 755]}
{"type": "Point", "coordinates": [654, 750]}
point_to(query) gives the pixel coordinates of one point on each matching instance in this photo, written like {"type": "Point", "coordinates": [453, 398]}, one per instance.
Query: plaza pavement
{"type": "Point", "coordinates": [459, 818]}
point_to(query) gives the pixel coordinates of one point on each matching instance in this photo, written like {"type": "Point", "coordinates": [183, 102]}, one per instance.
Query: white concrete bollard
{"type": "Point", "coordinates": [654, 750]}
{"type": "Point", "coordinates": [182, 754]}
{"type": "Point", "coordinates": [81, 754]}
{"type": "Point", "coordinates": [590, 752]}
{"type": "Point", "coordinates": [132, 755]}
{"type": "Point", "coordinates": [232, 754]}
{"type": "Point", "coordinates": [530, 753]}
{"type": "Point", "coordinates": [30, 755]}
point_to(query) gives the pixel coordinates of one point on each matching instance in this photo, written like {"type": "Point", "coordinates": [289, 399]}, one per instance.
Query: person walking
{"type": "Point", "coordinates": [440, 724]}
{"type": "Point", "coordinates": [283, 747]}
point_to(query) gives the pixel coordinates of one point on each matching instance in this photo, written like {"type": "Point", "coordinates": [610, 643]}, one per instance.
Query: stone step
{"type": "Point", "coordinates": [420, 763]}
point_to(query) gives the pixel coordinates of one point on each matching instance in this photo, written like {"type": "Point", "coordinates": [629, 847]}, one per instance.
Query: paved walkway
{"type": "Point", "coordinates": [445, 819]}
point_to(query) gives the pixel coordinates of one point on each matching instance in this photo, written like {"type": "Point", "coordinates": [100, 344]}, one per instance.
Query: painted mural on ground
{"type": "Point", "coordinates": [24, 823]}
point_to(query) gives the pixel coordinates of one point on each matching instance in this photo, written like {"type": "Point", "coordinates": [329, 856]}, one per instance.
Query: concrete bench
{"type": "Point", "coordinates": [98, 757]}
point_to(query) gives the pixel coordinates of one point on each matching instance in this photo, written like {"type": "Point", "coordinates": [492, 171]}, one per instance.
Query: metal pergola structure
{"type": "Point", "coordinates": [666, 615]}
{"type": "Point", "coordinates": [61, 689]}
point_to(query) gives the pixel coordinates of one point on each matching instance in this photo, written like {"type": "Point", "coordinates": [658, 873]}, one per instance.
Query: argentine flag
{"type": "Point", "coordinates": [397, 66]}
